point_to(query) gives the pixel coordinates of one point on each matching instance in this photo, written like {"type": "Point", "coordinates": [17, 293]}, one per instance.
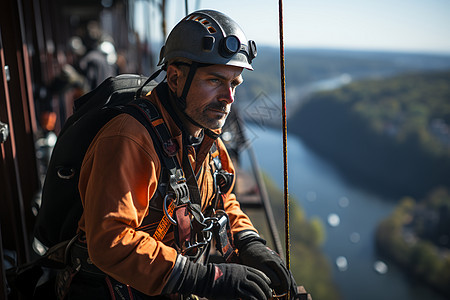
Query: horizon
{"type": "Point", "coordinates": [362, 50]}
{"type": "Point", "coordinates": [382, 26]}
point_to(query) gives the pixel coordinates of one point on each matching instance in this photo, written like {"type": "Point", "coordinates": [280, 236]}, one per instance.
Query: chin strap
{"type": "Point", "coordinates": [180, 105]}
{"type": "Point", "coordinates": [180, 102]}
{"type": "Point", "coordinates": [192, 70]}
{"type": "Point", "coordinates": [180, 108]}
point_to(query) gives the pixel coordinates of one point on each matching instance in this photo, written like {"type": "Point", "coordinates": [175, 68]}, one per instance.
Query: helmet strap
{"type": "Point", "coordinates": [181, 101]}
{"type": "Point", "coordinates": [175, 106]}
{"type": "Point", "coordinates": [187, 85]}
{"type": "Point", "coordinates": [182, 109]}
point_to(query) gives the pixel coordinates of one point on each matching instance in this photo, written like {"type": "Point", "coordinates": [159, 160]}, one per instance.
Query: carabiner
{"type": "Point", "coordinates": [209, 226]}
{"type": "Point", "coordinates": [198, 245]}
{"type": "Point", "coordinates": [166, 213]}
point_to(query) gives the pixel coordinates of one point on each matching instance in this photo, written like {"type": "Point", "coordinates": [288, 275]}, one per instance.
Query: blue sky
{"type": "Point", "coordinates": [397, 25]}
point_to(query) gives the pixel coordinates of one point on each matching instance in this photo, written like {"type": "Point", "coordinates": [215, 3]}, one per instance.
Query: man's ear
{"type": "Point", "coordinates": [174, 76]}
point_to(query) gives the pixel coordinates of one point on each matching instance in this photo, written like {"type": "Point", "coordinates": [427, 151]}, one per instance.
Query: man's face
{"type": "Point", "coordinates": [211, 94]}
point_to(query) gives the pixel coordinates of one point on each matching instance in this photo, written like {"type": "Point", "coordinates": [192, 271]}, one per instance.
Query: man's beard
{"type": "Point", "coordinates": [212, 123]}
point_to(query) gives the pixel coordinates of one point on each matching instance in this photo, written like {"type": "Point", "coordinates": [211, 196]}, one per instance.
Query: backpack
{"type": "Point", "coordinates": [61, 206]}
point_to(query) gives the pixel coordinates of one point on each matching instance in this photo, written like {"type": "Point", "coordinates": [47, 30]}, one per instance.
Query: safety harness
{"type": "Point", "coordinates": [181, 203]}
{"type": "Point", "coordinates": [181, 200]}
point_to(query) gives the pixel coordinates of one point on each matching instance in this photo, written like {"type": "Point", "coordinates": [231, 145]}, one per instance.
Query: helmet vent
{"type": "Point", "coordinates": [211, 29]}
{"type": "Point", "coordinates": [202, 21]}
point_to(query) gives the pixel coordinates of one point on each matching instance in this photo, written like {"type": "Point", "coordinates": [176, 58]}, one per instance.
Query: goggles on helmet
{"type": "Point", "coordinates": [209, 37]}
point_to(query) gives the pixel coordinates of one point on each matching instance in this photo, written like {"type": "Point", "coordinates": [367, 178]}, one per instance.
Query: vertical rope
{"type": "Point", "coordinates": [285, 162]}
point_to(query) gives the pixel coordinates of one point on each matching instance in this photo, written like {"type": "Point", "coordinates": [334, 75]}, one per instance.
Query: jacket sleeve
{"type": "Point", "coordinates": [118, 177]}
{"type": "Point", "coordinates": [239, 221]}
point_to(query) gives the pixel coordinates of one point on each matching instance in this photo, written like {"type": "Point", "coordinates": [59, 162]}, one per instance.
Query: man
{"type": "Point", "coordinates": [204, 56]}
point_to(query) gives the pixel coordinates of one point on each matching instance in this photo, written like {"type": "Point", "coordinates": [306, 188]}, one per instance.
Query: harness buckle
{"type": "Point", "coordinates": [178, 183]}
{"type": "Point", "coordinates": [222, 234]}
{"type": "Point", "coordinates": [223, 180]}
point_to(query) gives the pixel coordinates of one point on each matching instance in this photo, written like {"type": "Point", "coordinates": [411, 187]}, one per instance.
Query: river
{"type": "Point", "coordinates": [322, 191]}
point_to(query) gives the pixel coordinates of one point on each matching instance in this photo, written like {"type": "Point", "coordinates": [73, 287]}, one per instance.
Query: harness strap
{"type": "Point", "coordinates": [222, 179]}
{"type": "Point", "coordinates": [164, 224]}
{"type": "Point", "coordinates": [191, 180]}
{"type": "Point", "coordinates": [186, 190]}
{"type": "Point", "coordinates": [169, 147]}
{"type": "Point", "coordinates": [222, 183]}
{"type": "Point", "coordinates": [191, 226]}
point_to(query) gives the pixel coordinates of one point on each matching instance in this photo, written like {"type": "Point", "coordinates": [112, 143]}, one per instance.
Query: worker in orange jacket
{"type": "Point", "coordinates": [203, 57]}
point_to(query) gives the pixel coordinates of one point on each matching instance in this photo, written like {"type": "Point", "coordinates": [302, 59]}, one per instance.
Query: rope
{"type": "Point", "coordinates": [285, 163]}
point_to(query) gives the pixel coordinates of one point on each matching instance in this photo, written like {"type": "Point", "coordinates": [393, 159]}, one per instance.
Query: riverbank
{"type": "Point", "coordinates": [321, 190]}
{"type": "Point", "coordinates": [416, 237]}
{"type": "Point", "coordinates": [382, 134]}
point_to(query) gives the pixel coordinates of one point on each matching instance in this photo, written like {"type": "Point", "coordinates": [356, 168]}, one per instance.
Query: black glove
{"type": "Point", "coordinates": [222, 281]}
{"type": "Point", "coordinates": [254, 253]}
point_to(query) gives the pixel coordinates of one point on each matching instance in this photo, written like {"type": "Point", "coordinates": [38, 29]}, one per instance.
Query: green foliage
{"type": "Point", "coordinates": [318, 231]}
{"type": "Point", "coordinates": [400, 238]}
{"type": "Point", "coordinates": [438, 198]}
{"type": "Point", "coordinates": [306, 66]}
{"type": "Point", "coordinates": [308, 265]}
{"type": "Point", "coordinates": [391, 133]}
{"type": "Point", "coordinates": [424, 257]}
{"type": "Point", "coordinates": [406, 104]}
{"type": "Point", "coordinates": [313, 271]}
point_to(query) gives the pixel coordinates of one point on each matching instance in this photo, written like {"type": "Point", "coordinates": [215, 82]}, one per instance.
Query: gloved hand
{"type": "Point", "coordinates": [254, 253]}
{"type": "Point", "coordinates": [222, 281]}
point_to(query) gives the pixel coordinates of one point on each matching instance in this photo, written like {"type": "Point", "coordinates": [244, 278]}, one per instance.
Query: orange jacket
{"type": "Point", "coordinates": [119, 176]}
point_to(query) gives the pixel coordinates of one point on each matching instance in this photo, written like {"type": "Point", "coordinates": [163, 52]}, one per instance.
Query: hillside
{"type": "Point", "coordinates": [390, 134]}
{"type": "Point", "coordinates": [307, 66]}
{"type": "Point", "coordinates": [416, 237]}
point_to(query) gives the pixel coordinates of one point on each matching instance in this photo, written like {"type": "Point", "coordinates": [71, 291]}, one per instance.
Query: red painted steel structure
{"type": "Point", "coordinates": [34, 38]}
{"type": "Point", "coordinates": [33, 48]}
{"type": "Point", "coordinates": [19, 179]}
{"type": "Point", "coordinates": [31, 52]}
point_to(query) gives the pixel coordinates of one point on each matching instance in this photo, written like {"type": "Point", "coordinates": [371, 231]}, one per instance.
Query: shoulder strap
{"type": "Point", "coordinates": [149, 116]}
{"type": "Point", "coordinates": [223, 180]}
{"type": "Point", "coordinates": [169, 146]}
{"type": "Point", "coordinates": [166, 147]}
{"type": "Point", "coordinates": [186, 190]}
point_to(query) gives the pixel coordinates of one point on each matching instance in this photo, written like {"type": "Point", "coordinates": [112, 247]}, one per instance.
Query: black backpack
{"type": "Point", "coordinates": [61, 207]}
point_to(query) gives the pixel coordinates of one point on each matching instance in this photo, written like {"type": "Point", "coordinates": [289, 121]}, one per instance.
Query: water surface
{"type": "Point", "coordinates": [322, 191]}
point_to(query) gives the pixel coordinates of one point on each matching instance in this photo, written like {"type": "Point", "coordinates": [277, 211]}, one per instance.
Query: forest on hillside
{"type": "Point", "coordinates": [416, 236]}
{"type": "Point", "coordinates": [305, 66]}
{"type": "Point", "coordinates": [387, 131]}
{"type": "Point", "coordinates": [391, 134]}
